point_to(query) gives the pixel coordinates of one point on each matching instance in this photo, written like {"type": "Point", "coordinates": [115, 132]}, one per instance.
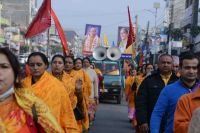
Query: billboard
{"type": "Point", "coordinates": [91, 39]}
{"type": "Point", "coordinates": [122, 38]}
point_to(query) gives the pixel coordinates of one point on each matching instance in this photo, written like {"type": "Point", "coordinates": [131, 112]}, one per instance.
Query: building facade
{"type": "Point", "coordinates": [18, 12]}
{"type": "Point", "coordinates": [178, 13]}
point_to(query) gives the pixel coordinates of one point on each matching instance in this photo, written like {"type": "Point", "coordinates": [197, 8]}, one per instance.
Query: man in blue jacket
{"type": "Point", "coordinates": [169, 96]}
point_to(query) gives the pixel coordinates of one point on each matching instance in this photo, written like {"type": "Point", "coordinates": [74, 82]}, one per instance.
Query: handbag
{"type": "Point", "coordinates": [78, 114]}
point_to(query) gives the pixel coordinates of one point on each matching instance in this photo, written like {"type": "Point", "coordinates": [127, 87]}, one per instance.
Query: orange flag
{"type": "Point", "coordinates": [42, 21]}
{"type": "Point", "coordinates": [131, 36]}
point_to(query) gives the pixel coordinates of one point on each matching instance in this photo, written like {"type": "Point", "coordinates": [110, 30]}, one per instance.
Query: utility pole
{"type": "Point", "coordinates": [1, 6]}
{"type": "Point", "coordinates": [147, 44]}
{"type": "Point", "coordinates": [147, 33]}
{"type": "Point", "coordinates": [169, 39]}
{"type": "Point", "coordinates": [136, 29]}
{"type": "Point", "coordinates": [156, 5]}
{"type": "Point", "coordinates": [48, 42]}
{"type": "Point", "coordinates": [195, 8]}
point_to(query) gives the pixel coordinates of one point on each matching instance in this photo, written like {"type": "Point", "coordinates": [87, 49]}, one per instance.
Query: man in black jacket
{"type": "Point", "coordinates": [150, 89]}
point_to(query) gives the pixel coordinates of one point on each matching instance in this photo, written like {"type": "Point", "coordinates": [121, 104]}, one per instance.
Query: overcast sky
{"type": "Point", "coordinates": [75, 14]}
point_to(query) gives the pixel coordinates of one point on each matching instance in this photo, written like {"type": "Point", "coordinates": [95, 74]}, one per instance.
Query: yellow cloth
{"type": "Point", "coordinates": [130, 96]}
{"type": "Point", "coordinates": [114, 72]}
{"type": "Point", "coordinates": [25, 99]}
{"type": "Point", "coordinates": [53, 93]}
{"type": "Point", "coordinates": [139, 80]}
{"type": "Point", "coordinates": [165, 78]}
{"type": "Point", "coordinates": [69, 84]}
{"type": "Point", "coordinates": [87, 86]}
{"type": "Point", "coordinates": [12, 118]}
{"type": "Point", "coordinates": [105, 40]}
{"type": "Point", "coordinates": [81, 74]}
{"type": "Point", "coordinates": [98, 71]}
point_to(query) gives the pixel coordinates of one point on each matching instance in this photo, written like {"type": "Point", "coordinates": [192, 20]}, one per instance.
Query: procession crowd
{"type": "Point", "coordinates": [165, 98]}
{"type": "Point", "coordinates": [63, 98]}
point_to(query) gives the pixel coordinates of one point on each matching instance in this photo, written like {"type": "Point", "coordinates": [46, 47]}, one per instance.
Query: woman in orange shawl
{"type": "Point", "coordinates": [72, 85]}
{"type": "Point", "coordinates": [21, 111]}
{"type": "Point", "coordinates": [51, 91]}
{"type": "Point", "coordinates": [57, 70]}
{"type": "Point", "coordinates": [86, 88]}
{"type": "Point", "coordinates": [130, 92]}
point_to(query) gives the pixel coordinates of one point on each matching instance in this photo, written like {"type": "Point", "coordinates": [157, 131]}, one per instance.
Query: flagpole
{"type": "Point", "coordinates": [136, 34]}
{"type": "Point", "coordinates": [48, 41]}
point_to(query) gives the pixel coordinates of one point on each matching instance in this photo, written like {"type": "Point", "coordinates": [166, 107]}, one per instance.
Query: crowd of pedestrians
{"type": "Point", "coordinates": [166, 98]}
{"type": "Point", "coordinates": [61, 99]}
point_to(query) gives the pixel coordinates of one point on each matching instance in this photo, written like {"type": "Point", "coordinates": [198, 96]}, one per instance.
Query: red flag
{"type": "Point", "coordinates": [141, 59]}
{"type": "Point", "coordinates": [131, 36]}
{"type": "Point", "coordinates": [60, 32]}
{"type": "Point", "coordinates": [42, 21]}
{"type": "Point", "coordinates": [27, 70]}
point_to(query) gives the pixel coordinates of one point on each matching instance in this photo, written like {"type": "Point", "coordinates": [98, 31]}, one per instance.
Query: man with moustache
{"type": "Point", "coordinates": [170, 95]}
{"type": "Point", "coordinates": [150, 89]}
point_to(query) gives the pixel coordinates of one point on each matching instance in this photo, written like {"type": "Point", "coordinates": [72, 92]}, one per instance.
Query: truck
{"type": "Point", "coordinates": [113, 79]}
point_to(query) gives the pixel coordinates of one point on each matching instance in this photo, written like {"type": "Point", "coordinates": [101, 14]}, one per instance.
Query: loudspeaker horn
{"type": "Point", "coordinates": [114, 53]}
{"type": "Point", "coordinates": [99, 53]}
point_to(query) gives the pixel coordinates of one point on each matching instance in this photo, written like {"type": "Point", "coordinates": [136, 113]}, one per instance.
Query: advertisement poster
{"type": "Point", "coordinates": [91, 39]}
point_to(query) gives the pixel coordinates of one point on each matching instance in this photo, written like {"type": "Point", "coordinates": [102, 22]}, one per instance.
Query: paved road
{"type": "Point", "coordinates": [111, 118]}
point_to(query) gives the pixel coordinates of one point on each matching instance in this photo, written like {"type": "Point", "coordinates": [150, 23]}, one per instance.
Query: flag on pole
{"type": "Point", "coordinates": [105, 39]}
{"type": "Point", "coordinates": [131, 36]}
{"type": "Point", "coordinates": [42, 21]}
{"type": "Point", "coordinates": [113, 44]}
{"type": "Point", "coordinates": [60, 32]}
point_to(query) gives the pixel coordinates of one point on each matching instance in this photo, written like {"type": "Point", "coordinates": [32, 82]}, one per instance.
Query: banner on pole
{"type": "Point", "coordinates": [91, 39]}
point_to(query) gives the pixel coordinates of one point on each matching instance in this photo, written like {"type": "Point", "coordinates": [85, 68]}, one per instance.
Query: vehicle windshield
{"type": "Point", "coordinates": [108, 67]}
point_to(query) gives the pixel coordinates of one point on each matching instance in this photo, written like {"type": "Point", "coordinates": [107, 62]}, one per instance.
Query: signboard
{"type": "Point", "coordinates": [176, 44]}
{"type": "Point", "coordinates": [126, 56]}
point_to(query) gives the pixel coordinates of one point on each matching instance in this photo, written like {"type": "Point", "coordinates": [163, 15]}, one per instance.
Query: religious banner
{"type": "Point", "coordinates": [91, 39]}
{"type": "Point", "coordinates": [122, 38]}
